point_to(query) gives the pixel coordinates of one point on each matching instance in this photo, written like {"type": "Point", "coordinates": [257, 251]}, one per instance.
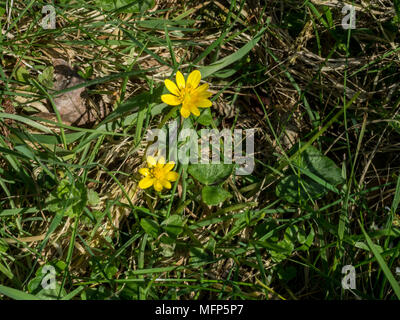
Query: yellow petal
{"type": "Point", "coordinates": [194, 110]}
{"type": "Point", "coordinates": [151, 162]}
{"type": "Point", "coordinates": [180, 80]}
{"type": "Point", "coordinates": [170, 99]}
{"type": "Point", "coordinates": [166, 184]}
{"type": "Point", "coordinates": [157, 185]}
{"type": "Point", "coordinates": [193, 79]}
{"type": "Point", "coordinates": [203, 88]}
{"type": "Point", "coordinates": [146, 183]}
{"type": "Point", "coordinates": [185, 112]}
{"type": "Point", "coordinates": [172, 176]}
{"type": "Point", "coordinates": [171, 87]}
{"type": "Point", "coordinates": [144, 171]}
{"type": "Point", "coordinates": [203, 94]}
{"type": "Point", "coordinates": [204, 103]}
{"type": "Point", "coordinates": [169, 166]}
{"type": "Point", "coordinates": [161, 162]}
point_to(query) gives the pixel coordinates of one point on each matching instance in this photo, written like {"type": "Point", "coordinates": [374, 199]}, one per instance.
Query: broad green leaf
{"type": "Point", "coordinates": [210, 173]}
{"type": "Point", "coordinates": [314, 161]}
{"type": "Point", "coordinates": [35, 286]}
{"type": "Point", "coordinates": [319, 175]}
{"type": "Point", "coordinates": [167, 249]}
{"type": "Point", "coordinates": [68, 198]}
{"type": "Point", "coordinates": [46, 77]}
{"type": "Point", "coordinates": [93, 197]}
{"type": "Point", "coordinates": [151, 227]}
{"type": "Point", "coordinates": [214, 195]}
{"type": "Point", "coordinates": [173, 225]}
{"type": "Point", "coordinates": [205, 118]}
{"type": "Point", "coordinates": [51, 294]}
{"type": "Point", "coordinates": [286, 274]}
{"type": "Point", "coordinates": [293, 189]}
{"type": "Point", "coordinates": [22, 74]}
{"type": "Point", "coordinates": [286, 248]}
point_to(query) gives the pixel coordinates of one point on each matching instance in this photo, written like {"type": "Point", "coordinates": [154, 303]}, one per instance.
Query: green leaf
{"type": "Point", "coordinates": [134, 6]}
{"type": "Point", "coordinates": [364, 246]}
{"type": "Point", "coordinates": [199, 255]}
{"type": "Point", "coordinates": [319, 174]}
{"type": "Point", "coordinates": [173, 225]}
{"type": "Point", "coordinates": [111, 271]}
{"type": "Point", "coordinates": [396, 4]}
{"type": "Point", "coordinates": [3, 246]}
{"type": "Point", "coordinates": [167, 249]}
{"type": "Point", "coordinates": [232, 58]}
{"type": "Point", "coordinates": [214, 195]}
{"type": "Point", "coordinates": [293, 189]}
{"type": "Point", "coordinates": [313, 160]}
{"type": "Point", "coordinates": [205, 118]}
{"type": "Point", "coordinates": [286, 248]}
{"type": "Point", "coordinates": [210, 173]}
{"type": "Point", "coordinates": [5, 270]}
{"type": "Point", "coordinates": [93, 198]}
{"type": "Point", "coordinates": [287, 274]}
{"type": "Point", "coordinates": [151, 227]}
{"type": "Point", "coordinates": [395, 285]}
{"type": "Point", "coordinates": [51, 294]}
{"type": "Point", "coordinates": [46, 77]}
{"type": "Point", "coordinates": [16, 294]}
{"type": "Point", "coordinates": [226, 73]}
{"type": "Point", "coordinates": [22, 74]}
{"type": "Point", "coordinates": [68, 198]}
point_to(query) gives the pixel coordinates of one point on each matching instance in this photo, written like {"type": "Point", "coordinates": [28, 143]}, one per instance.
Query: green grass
{"type": "Point", "coordinates": [324, 103]}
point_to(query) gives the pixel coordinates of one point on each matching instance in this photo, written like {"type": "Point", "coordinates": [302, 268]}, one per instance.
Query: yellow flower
{"type": "Point", "coordinates": [189, 94]}
{"type": "Point", "coordinates": [158, 174]}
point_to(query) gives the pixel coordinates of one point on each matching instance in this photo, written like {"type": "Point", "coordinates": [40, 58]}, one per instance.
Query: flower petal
{"type": "Point", "coordinates": [180, 80]}
{"type": "Point", "coordinates": [157, 185]}
{"type": "Point", "coordinates": [203, 94]}
{"type": "Point", "coordinates": [194, 110]}
{"type": "Point", "coordinates": [171, 87]}
{"type": "Point", "coordinates": [169, 166]}
{"type": "Point", "coordinates": [185, 112]}
{"type": "Point", "coordinates": [204, 103]}
{"type": "Point", "coordinates": [161, 162]}
{"type": "Point", "coordinates": [144, 171]}
{"type": "Point", "coordinates": [151, 162]}
{"type": "Point", "coordinates": [203, 88]}
{"type": "Point", "coordinates": [146, 183]}
{"type": "Point", "coordinates": [193, 79]}
{"type": "Point", "coordinates": [171, 99]}
{"type": "Point", "coordinates": [166, 184]}
{"type": "Point", "coordinates": [172, 176]}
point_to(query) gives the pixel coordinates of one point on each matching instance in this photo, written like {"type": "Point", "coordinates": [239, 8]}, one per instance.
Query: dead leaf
{"type": "Point", "coordinates": [72, 105]}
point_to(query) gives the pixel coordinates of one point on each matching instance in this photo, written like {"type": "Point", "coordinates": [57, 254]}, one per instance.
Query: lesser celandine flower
{"type": "Point", "coordinates": [189, 94]}
{"type": "Point", "coordinates": [158, 174]}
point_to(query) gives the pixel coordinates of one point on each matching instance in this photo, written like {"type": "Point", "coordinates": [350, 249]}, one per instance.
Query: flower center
{"type": "Point", "coordinates": [185, 93]}
{"type": "Point", "coordinates": [157, 173]}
